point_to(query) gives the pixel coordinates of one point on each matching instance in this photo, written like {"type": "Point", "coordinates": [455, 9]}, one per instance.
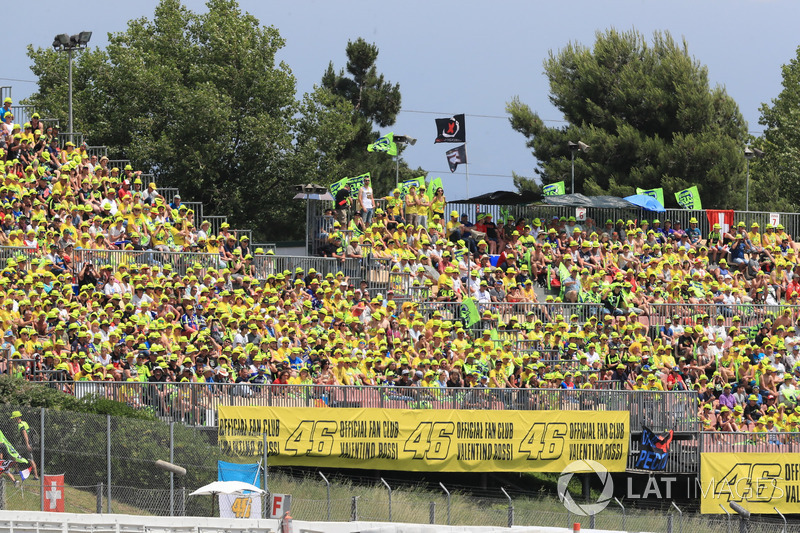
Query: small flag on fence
{"type": "Point", "coordinates": [469, 312]}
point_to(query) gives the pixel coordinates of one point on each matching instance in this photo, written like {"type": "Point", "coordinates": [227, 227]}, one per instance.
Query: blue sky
{"type": "Point", "coordinates": [467, 57]}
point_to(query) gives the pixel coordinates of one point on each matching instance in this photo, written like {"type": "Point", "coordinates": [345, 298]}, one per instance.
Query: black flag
{"type": "Point", "coordinates": [451, 130]}
{"type": "Point", "coordinates": [456, 156]}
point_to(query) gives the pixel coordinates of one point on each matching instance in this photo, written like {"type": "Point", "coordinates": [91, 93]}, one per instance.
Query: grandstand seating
{"type": "Point", "coordinates": [108, 279]}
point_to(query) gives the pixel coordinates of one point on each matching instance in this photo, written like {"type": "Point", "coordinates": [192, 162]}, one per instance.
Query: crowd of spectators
{"type": "Point", "coordinates": [67, 318]}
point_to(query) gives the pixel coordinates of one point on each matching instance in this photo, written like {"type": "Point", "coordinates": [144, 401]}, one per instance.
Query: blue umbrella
{"type": "Point", "coordinates": [645, 202]}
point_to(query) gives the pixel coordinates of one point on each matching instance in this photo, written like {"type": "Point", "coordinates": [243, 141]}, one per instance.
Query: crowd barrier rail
{"type": "Point", "coordinates": [196, 403]}
{"type": "Point", "coordinates": [749, 442]}
{"type": "Point", "coordinates": [749, 314]}
{"type": "Point", "coordinates": [264, 265]}
{"type": "Point", "coordinates": [595, 217]}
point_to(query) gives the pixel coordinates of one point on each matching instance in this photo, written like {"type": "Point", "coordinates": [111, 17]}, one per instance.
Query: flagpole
{"type": "Point", "coordinates": [466, 167]}
{"type": "Point", "coordinates": [396, 170]}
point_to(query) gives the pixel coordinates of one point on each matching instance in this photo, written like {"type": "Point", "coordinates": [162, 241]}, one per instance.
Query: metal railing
{"type": "Point", "coordinates": [119, 163]}
{"type": "Point", "coordinates": [168, 193]}
{"type": "Point", "coordinates": [381, 278]}
{"type": "Point", "coordinates": [75, 137]}
{"type": "Point", "coordinates": [750, 442]}
{"type": "Point", "coordinates": [197, 207]}
{"type": "Point", "coordinates": [263, 265]}
{"type": "Point", "coordinates": [196, 403]}
{"type": "Point", "coordinates": [684, 455]}
{"type": "Point", "coordinates": [749, 314]}
{"type": "Point", "coordinates": [22, 113]}
{"type": "Point", "coordinates": [243, 233]}
{"type": "Point", "coordinates": [264, 246]}
{"type": "Point", "coordinates": [216, 222]}
{"type": "Point", "coordinates": [179, 261]}
{"type": "Point", "coordinates": [23, 368]}
{"type": "Point", "coordinates": [99, 151]}
{"type": "Point", "coordinates": [596, 217]}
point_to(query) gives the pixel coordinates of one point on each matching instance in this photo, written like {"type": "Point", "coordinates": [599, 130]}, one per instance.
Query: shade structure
{"type": "Point", "coordinates": [646, 202]}
{"type": "Point", "coordinates": [224, 487]}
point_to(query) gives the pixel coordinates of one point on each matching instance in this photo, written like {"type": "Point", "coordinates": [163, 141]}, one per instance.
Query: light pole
{"type": "Point", "coordinates": [574, 147]}
{"type": "Point", "coordinates": [67, 43]}
{"type": "Point", "coordinates": [750, 153]}
{"type": "Point", "coordinates": [404, 140]}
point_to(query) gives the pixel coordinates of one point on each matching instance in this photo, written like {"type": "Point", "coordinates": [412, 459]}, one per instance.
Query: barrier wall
{"type": "Point", "coordinates": [38, 522]}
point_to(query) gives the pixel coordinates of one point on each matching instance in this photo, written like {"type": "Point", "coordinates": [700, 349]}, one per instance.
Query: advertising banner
{"type": "Point", "coordinates": [759, 482]}
{"type": "Point", "coordinates": [427, 440]}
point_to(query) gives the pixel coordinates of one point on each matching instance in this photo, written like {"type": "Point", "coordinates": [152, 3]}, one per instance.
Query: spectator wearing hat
{"type": "Point", "coordinates": [25, 446]}
{"type": "Point", "coordinates": [423, 206]}
{"type": "Point", "coordinates": [6, 109]}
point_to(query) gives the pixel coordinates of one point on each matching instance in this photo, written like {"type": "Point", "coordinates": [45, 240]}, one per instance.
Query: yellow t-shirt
{"type": "Point", "coordinates": [498, 375]}
{"type": "Point", "coordinates": [411, 204]}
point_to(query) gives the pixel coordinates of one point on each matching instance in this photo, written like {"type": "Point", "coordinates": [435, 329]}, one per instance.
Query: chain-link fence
{"type": "Point", "coordinates": [109, 466]}
{"type": "Point", "coordinates": [423, 506]}
{"type": "Point", "coordinates": [108, 463]}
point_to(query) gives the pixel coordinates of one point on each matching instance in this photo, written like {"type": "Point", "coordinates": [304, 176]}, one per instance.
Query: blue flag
{"type": "Point", "coordinates": [240, 505]}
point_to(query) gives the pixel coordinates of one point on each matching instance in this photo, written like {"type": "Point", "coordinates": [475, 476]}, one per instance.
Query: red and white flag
{"type": "Point", "coordinates": [723, 217]}
{"type": "Point", "coordinates": [54, 493]}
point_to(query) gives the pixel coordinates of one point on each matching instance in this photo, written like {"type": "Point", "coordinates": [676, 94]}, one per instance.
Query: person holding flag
{"type": "Point", "coordinates": [342, 204]}
{"type": "Point", "coordinates": [23, 429]}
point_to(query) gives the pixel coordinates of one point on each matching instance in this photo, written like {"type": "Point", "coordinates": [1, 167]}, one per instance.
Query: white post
{"type": "Point", "coordinates": [466, 167]}
{"type": "Point", "coordinates": [172, 474]}
{"type": "Point", "coordinates": [69, 51]}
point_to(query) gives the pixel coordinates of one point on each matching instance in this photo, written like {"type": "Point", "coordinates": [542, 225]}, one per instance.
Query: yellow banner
{"type": "Point", "coordinates": [759, 482]}
{"type": "Point", "coordinates": [427, 440]}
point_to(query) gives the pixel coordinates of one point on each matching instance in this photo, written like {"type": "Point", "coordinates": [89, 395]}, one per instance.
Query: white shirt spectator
{"type": "Point", "coordinates": [112, 287]}
{"type": "Point", "coordinates": [112, 205]}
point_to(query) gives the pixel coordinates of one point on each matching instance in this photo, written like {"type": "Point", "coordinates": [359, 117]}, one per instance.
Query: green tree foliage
{"type": "Point", "coordinates": [75, 437]}
{"type": "Point", "coordinates": [199, 100]}
{"type": "Point", "coordinates": [649, 115]}
{"type": "Point", "coordinates": [374, 101]}
{"type": "Point", "coordinates": [776, 177]}
{"type": "Point", "coordinates": [19, 392]}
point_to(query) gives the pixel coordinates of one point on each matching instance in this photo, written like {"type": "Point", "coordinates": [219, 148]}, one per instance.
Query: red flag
{"type": "Point", "coordinates": [54, 493]}
{"type": "Point", "coordinates": [723, 217]}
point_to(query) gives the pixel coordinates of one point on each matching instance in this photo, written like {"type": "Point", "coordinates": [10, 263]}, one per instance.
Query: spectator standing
{"type": "Point", "coordinates": [23, 430]}
{"type": "Point", "coordinates": [342, 202]}
{"type": "Point", "coordinates": [366, 201]}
